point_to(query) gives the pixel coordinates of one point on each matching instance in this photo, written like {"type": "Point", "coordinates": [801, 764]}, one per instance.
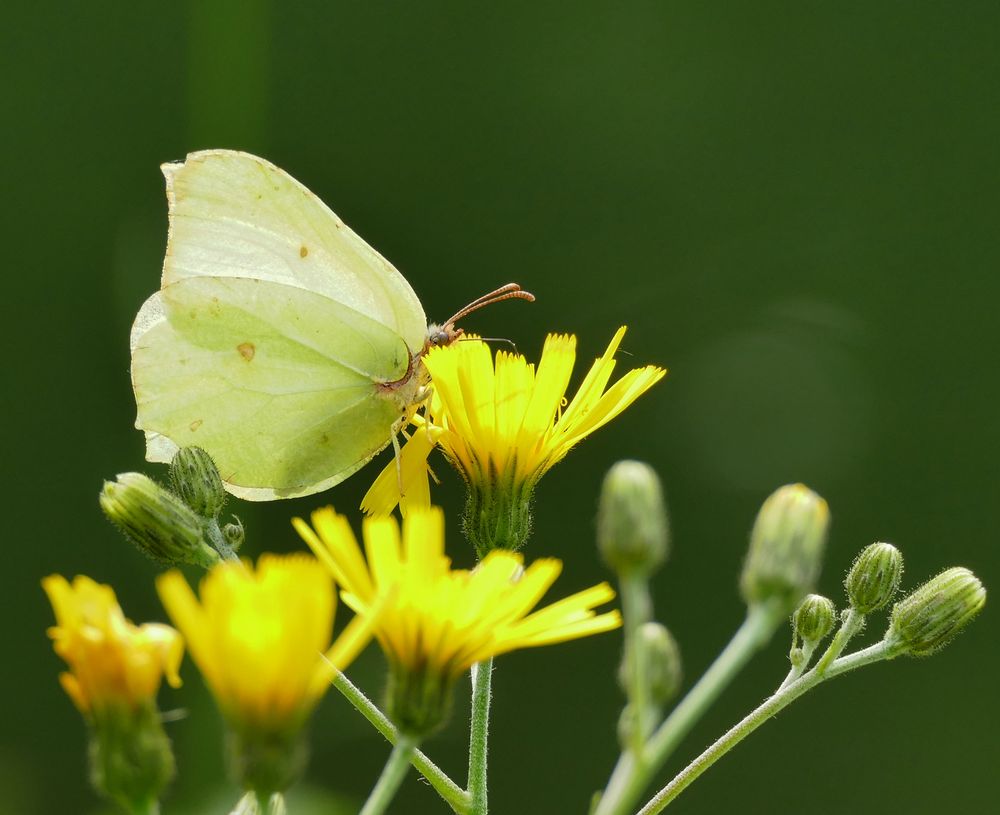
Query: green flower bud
{"type": "Point", "coordinates": [195, 478]}
{"type": "Point", "coordinates": [131, 760]}
{"type": "Point", "coordinates": [627, 723]}
{"type": "Point", "coordinates": [874, 578]}
{"type": "Point", "coordinates": [632, 532]}
{"type": "Point", "coordinates": [154, 519]}
{"type": "Point", "coordinates": [928, 619]}
{"type": "Point", "coordinates": [786, 547]}
{"type": "Point", "coordinates": [663, 663]}
{"type": "Point", "coordinates": [234, 534]}
{"type": "Point", "coordinates": [814, 618]}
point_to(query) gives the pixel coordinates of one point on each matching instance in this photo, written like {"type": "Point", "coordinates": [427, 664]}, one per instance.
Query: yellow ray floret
{"type": "Point", "coordinates": [112, 662]}
{"type": "Point", "coordinates": [506, 420]}
{"type": "Point", "coordinates": [259, 636]}
{"type": "Point", "coordinates": [442, 620]}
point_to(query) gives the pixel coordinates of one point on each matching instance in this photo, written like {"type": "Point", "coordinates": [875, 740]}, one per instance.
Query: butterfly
{"type": "Point", "coordinates": [280, 342]}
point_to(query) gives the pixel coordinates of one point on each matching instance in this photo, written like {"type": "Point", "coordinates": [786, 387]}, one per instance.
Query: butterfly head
{"type": "Point", "coordinates": [446, 333]}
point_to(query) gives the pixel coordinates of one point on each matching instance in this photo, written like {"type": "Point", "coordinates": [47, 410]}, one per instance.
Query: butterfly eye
{"type": "Point", "coordinates": [436, 338]}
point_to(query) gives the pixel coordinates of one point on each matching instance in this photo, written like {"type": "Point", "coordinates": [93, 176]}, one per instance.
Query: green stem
{"type": "Point", "coordinates": [218, 541]}
{"type": "Point", "coordinates": [150, 807]}
{"type": "Point", "coordinates": [853, 623]}
{"type": "Point", "coordinates": [392, 776]}
{"type": "Point", "coordinates": [631, 776]}
{"type": "Point", "coordinates": [452, 794]}
{"type": "Point", "coordinates": [797, 670]}
{"type": "Point", "coordinates": [776, 703]}
{"type": "Point", "coordinates": [636, 610]}
{"type": "Point", "coordinates": [482, 675]}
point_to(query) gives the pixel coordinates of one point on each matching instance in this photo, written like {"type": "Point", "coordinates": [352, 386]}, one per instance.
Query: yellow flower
{"type": "Point", "coordinates": [439, 621]}
{"type": "Point", "coordinates": [258, 637]}
{"type": "Point", "coordinates": [261, 639]}
{"type": "Point", "coordinates": [503, 425]}
{"type": "Point", "coordinates": [113, 663]}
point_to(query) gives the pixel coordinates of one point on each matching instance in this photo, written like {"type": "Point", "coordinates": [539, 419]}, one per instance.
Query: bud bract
{"type": "Point", "coordinates": [814, 618]}
{"type": "Point", "coordinates": [154, 519]}
{"type": "Point", "coordinates": [195, 478]}
{"type": "Point", "coordinates": [632, 531]}
{"type": "Point", "coordinates": [874, 578]}
{"type": "Point", "coordinates": [786, 547]}
{"type": "Point", "coordinates": [419, 702]}
{"type": "Point", "coordinates": [927, 620]}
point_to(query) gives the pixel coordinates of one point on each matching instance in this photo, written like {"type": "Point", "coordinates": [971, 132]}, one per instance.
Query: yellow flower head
{"type": "Point", "coordinates": [503, 424]}
{"type": "Point", "coordinates": [258, 637]}
{"type": "Point", "coordinates": [113, 663]}
{"type": "Point", "coordinates": [439, 621]}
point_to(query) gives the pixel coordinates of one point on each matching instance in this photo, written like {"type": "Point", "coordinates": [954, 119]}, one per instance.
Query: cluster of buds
{"type": "Point", "coordinates": [921, 623]}
{"type": "Point", "coordinates": [176, 525]}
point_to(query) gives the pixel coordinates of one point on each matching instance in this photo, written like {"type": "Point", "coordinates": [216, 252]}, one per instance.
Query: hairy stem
{"type": "Point", "coordinates": [780, 700]}
{"type": "Point", "coordinates": [482, 674]}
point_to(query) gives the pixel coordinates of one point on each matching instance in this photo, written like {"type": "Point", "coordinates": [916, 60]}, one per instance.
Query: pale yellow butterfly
{"type": "Point", "coordinates": [280, 341]}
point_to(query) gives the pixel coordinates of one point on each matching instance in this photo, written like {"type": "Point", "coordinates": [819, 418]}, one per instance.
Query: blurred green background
{"type": "Point", "coordinates": [792, 205]}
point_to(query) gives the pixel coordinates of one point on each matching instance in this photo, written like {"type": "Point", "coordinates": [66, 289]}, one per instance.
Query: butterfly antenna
{"type": "Point", "coordinates": [512, 291]}
{"type": "Point", "coordinates": [504, 340]}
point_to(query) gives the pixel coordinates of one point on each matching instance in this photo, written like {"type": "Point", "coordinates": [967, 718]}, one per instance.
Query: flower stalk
{"type": "Point", "coordinates": [632, 774]}
{"type": "Point", "coordinates": [450, 792]}
{"type": "Point", "coordinates": [776, 703]}
{"type": "Point", "coordinates": [482, 674]}
{"type": "Point", "coordinates": [392, 777]}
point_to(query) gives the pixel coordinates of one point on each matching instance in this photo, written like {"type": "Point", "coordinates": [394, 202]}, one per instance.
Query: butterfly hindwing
{"type": "Point", "coordinates": [278, 383]}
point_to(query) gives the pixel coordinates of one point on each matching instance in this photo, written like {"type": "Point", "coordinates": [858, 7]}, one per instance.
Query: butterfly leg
{"type": "Point", "coordinates": [397, 428]}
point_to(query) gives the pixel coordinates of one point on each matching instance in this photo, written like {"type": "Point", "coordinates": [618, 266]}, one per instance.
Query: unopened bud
{"type": "Point", "coordinates": [154, 519]}
{"type": "Point", "coordinates": [195, 478]}
{"type": "Point", "coordinates": [814, 618]}
{"type": "Point", "coordinates": [927, 620]}
{"type": "Point", "coordinates": [786, 547]}
{"type": "Point", "coordinates": [874, 578]}
{"type": "Point", "coordinates": [632, 531]}
{"type": "Point", "coordinates": [662, 663]}
{"type": "Point", "coordinates": [234, 534]}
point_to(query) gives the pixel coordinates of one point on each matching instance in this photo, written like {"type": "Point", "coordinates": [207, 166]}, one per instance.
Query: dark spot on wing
{"type": "Point", "coordinates": [303, 251]}
{"type": "Point", "coordinates": [246, 350]}
{"type": "Point", "coordinates": [195, 424]}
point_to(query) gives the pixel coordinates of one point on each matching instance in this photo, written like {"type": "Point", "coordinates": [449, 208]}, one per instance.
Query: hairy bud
{"type": "Point", "coordinates": [195, 478]}
{"type": "Point", "coordinates": [929, 618]}
{"type": "Point", "coordinates": [154, 519]}
{"type": "Point", "coordinates": [814, 618]}
{"type": "Point", "coordinates": [786, 547]}
{"type": "Point", "coordinates": [632, 532]}
{"type": "Point", "coordinates": [874, 578]}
